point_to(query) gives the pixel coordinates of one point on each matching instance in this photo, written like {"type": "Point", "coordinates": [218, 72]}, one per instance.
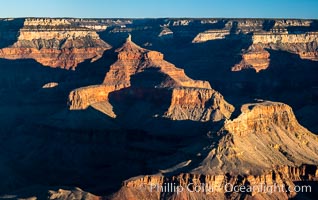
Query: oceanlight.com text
{"type": "Point", "coordinates": [227, 188]}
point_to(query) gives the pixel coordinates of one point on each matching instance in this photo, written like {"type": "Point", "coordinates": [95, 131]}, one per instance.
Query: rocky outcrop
{"type": "Point", "coordinates": [210, 35]}
{"type": "Point", "coordinates": [268, 38]}
{"type": "Point", "coordinates": [47, 22]}
{"type": "Point", "coordinates": [55, 43]}
{"type": "Point", "coordinates": [305, 45]}
{"type": "Point", "coordinates": [260, 116]}
{"type": "Point", "coordinates": [166, 33]}
{"type": "Point", "coordinates": [198, 105]}
{"type": "Point", "coordinates": [255, 57]}
{"type": "Point", "coordinates": [294, 36]}
{"type": "Point", "coordinates": [76, 193]}
{"type": "Point", "coordinates": [292, 22]}
{"type": "Point", "coordinates": [264, 149]}
{"type": "Point", "coordinates": [81, 98]}
{"type": "Point", "coordinates": [248, 26]}
{"type": "Point", "coordinates": [50, 85]}
{"type": "Point", "coordinates": [92, 24]}
{"type": "Point", "coordinates": [266, 134]}
{"type": "Point", "coordinates": [244, 26]}
{"type": "Point", "coordinates": [182, 22]}
{"type": "Point", "coordinates": [191, 99]}
{"type": "Point", "coordinates": [133, 59]}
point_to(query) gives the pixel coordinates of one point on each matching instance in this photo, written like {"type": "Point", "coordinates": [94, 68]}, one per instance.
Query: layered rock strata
{"type": "Point", "coordinates": [198, 105]}
{"type": "Point", "coordinates": [255, 57]}
{"type": "Point", "coordinates": [191, 99]}
{"type": "Point", "coordinates": [55, 43]}
{"type": "Point", "coordinates": [303, 44]}
{"type": "Point", "coordinates": [264, 135]}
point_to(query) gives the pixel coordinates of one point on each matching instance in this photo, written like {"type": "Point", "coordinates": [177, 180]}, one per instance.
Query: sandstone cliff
{"type": "Point", "coordinates": [55, 43]}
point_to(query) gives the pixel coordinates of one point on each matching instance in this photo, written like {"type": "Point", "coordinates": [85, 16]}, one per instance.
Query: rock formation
{"type": "Point", "coordinates": [294, 36]}
{"type": "Point", "coordinates": [133, 59]}
{"type": "Point", "coordinates": [83, 97]}
{"type": "Point", "coordinates": [264, 135]}
{"type": "Point", "coordinates": [50, 85]}
{"type": "Point", "coordinates": [303, 44]}
{"type": "Point", "coordinates": [72, 194]}
{"type": "Point", "coordinates": [166, 33]}
{"type": "Point", "coordinates": [210, 35]}
{"type": "Point", "coordinates": [198, 105]}
{"type": "Point", "coordinates": [263, 148]}
{"type": "Point", "coordinates": [255, 57]}
{"type": "Point", "coordinates": [55, 43]}
{"type": "Point", "coordinates": [191, 99]}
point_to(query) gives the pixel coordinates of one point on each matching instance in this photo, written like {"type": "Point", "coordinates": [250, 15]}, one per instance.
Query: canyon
{"type": "Point", "coordinates": [117, 108]}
